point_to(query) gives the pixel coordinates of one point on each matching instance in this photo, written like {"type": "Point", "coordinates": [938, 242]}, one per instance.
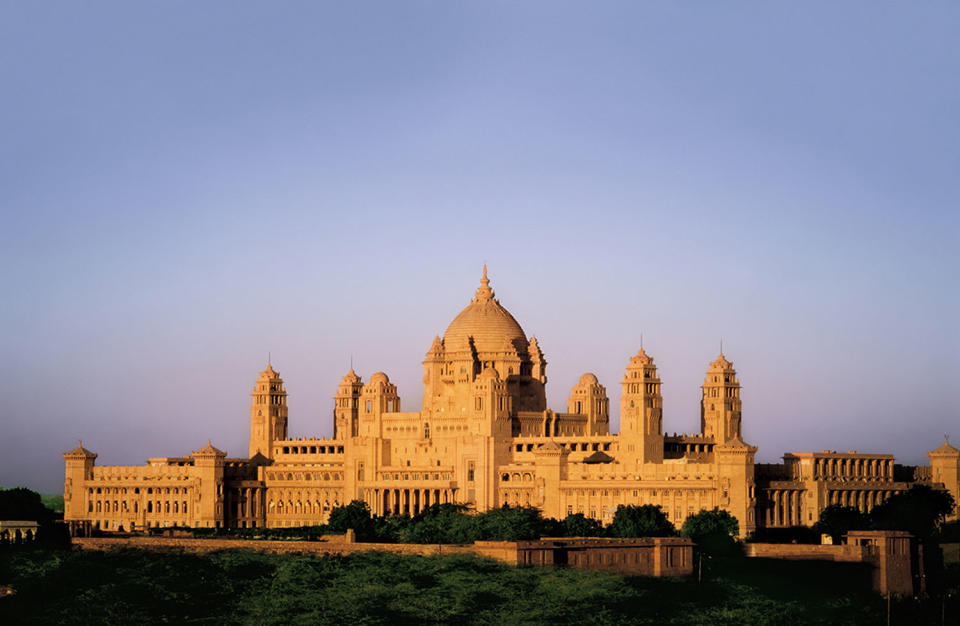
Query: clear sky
{"type": "Point", "coordinates": [185, 187]}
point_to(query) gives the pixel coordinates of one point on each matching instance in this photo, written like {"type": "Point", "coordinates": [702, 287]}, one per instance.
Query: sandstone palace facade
{"type": "Point", "coordinates": [485, 437]}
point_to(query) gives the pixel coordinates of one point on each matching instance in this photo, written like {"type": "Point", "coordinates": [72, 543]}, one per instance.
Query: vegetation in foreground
{"type": "Point", "coordinates": [132, 586]}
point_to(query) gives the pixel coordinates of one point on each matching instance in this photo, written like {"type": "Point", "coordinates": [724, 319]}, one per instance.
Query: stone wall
{"type": "Point", "coordinates": [668, 556]}
{"type": "Point", "coordinates": [799, 551]}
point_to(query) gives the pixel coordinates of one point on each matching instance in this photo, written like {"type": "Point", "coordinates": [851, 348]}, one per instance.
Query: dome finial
{"type": "Point", "coordinates": [483, 291]}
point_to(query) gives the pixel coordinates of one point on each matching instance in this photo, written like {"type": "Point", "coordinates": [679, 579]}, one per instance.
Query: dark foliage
{"type": "Point", "coordinates": [715, 532]}
{"type": "Point", "coordinates": [791, 534]}
{"type": "Point", "coordinates": [920, 511]}
{"type": "Point", "coordinates": [239, 587]}
{"type": "Point", "coordinates": [837, 521]}
{"type": "Point", "coordinates": [579, 525]}
{"type": "Point", "coordinates": [641, 521]}
{"type": "Point", "coordinates": [23, 504]}
{"type": "Point", "coordinates": [355, 515]}
{"type": "Point", "coordinates": [27, 505]}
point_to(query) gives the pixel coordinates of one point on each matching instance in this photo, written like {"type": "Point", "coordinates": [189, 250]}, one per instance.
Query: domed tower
{"type": "Point", "coordinates": [346, 414]}
{"type": "Point", "coordinates": [720, 406]}
{"type": "Point", "coordinates": [589, 398]}
{"type": "Point", "coordinates": [484, 335]}
{"type": "Point", "coordinates": [641, 409]}
{"type": "Point", "coordinates": [377, 397]}
{"type": "Point", "coordinates": [268, 413]}
{"type": "Point", "coordinates": [491, 404]}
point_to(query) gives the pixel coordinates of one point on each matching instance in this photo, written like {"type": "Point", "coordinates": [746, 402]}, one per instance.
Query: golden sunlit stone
{"type": "Point", "coordinates": [485, 437]}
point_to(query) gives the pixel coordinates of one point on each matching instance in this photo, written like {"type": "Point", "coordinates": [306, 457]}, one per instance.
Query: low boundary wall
{"type": "Point", "coordinates": [660, 556]}
{"type": "Point", "coordinates": [800, 551]}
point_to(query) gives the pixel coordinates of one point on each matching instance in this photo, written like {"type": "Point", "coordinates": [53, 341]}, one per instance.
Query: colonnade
{"type": "Point", "coordinates": [861, 499]}
{"type": "Point", "coordinates": [247, 505]}
{"type": "Point", "coordinates": [864, 469]}
{"type": "Point", "coordinates": [785, 507]}
{"type": "Point", "coordinates": [406, 501]}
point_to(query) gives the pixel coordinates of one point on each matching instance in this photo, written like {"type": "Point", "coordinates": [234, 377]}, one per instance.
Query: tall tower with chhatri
{"type": "Point", "coordinates": [268, 413]}
{"type": "Point", "coordinates": [486, 438]}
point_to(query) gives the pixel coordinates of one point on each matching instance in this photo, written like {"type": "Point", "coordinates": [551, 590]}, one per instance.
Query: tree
{"type": "Point", "coordinates": [23, 504]}
{"type": "Point", "coordinates": [355, 515]}
{"type": "Point", "coordinates": [837, 520]}
{"type": "Point", "coordinates": [579, 525]}
{"type": "Point", "coordinates": [641, 521]}
{"type": "Point", "coordinates": [714, 531]}
{"type": "Point", "coordinates": [920, 511]}
{"type": "Point", "coordinates": [511, 524]}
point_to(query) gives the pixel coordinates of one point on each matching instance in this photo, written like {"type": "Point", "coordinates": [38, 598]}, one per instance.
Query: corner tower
{"type": "Point", "coordinates": [589, 398]}
{"type": "Point", "coordinates": [79, 469]}
{"type": "Point", "coordinates": [346, 414]}
{"type": "Point", "coordinates": [641, 409]}
{"type": "Point", "coordinates": [945, 466]}
{"type": "Point", "coordinates": [268, 413]}
{"type": "Point", "coordinates": [720, 404]}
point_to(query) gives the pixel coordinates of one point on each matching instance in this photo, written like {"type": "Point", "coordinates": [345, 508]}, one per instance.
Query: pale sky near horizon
{"type": "Point", "coordinates": [185, 187]}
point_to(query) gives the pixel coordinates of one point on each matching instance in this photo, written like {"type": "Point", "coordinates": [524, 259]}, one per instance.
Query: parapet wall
{"type": "Point", "coordinates": [799, 551]}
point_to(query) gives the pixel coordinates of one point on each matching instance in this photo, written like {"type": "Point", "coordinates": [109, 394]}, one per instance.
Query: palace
{"type": "Point", "coordinates": [485, 437]}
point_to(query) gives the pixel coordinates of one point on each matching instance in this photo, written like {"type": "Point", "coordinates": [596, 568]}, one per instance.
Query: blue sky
{"type": "Point", "coordinates": [186, 187]}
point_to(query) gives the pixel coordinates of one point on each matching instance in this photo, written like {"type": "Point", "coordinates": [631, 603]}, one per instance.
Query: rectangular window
{"type": "Point", "coordinates": [470, 471]}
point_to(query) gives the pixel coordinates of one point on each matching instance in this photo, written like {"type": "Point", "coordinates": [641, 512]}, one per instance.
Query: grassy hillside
{"type": "Point", "coordinates": [132, 586]}
{"type": "Point", "coordinates": [53, 501]}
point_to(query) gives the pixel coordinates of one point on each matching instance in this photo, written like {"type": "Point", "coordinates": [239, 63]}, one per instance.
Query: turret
{"type": "Point", "coordinates": [945, 468]}
{"type": "Point", "coordinates": [641, 409]}
{"type": "Point", "coordinates": [346, 414]}
{"type": "Point", "coordinates": [538, 363]}
{"type": "Point", "coordinates": [377, 397]}
{"type": "Point", "coordinates": [492, 405]}
{"type": "Point", "coordinates": [208, 506]}
{"type": "Point", "coordinates": [720, 404]}
{"type": "Point", "coordinates": [268, 413]}
{"type": "Point", "coordinates": [588, 397]}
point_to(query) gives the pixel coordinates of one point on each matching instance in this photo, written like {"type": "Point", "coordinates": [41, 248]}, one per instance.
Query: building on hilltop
{"type": "Point", "coordinates": [485, 437]}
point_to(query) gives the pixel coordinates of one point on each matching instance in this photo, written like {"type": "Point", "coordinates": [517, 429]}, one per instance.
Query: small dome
{"type": "Point", "coordinates": [379, 377]}
{"type": "Point", "coordinates": [351, 377]}
{"type": "Point", "coordinates": [588, 379]}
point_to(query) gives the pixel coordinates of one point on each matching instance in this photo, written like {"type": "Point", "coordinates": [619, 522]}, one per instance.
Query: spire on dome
{"type": "Point", "coordinates": [483, 291]}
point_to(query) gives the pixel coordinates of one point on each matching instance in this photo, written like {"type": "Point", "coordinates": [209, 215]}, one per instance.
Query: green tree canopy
{"type": "Point", "coordinates": [641, 521]}
{"type": "Point", "coordinates": [919, 511]}
{"type": "Point", "coordinates": [579, 525]}
{"type": "Point", "coordinates": [837, 521]}
{"type": "Point", "coordinates": [714, 531]}
{"type": "Point", "coordinates": [355, 515]}
{"type": "Point", "coordinates": [23, 504]}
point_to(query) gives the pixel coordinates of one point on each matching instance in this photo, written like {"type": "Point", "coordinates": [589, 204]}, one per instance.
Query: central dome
{"type": "Point", "coordinates": [490, 325]}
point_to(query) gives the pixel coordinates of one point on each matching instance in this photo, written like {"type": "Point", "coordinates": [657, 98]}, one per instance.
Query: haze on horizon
{"type": "Point", "coordinates": [187, 187]}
